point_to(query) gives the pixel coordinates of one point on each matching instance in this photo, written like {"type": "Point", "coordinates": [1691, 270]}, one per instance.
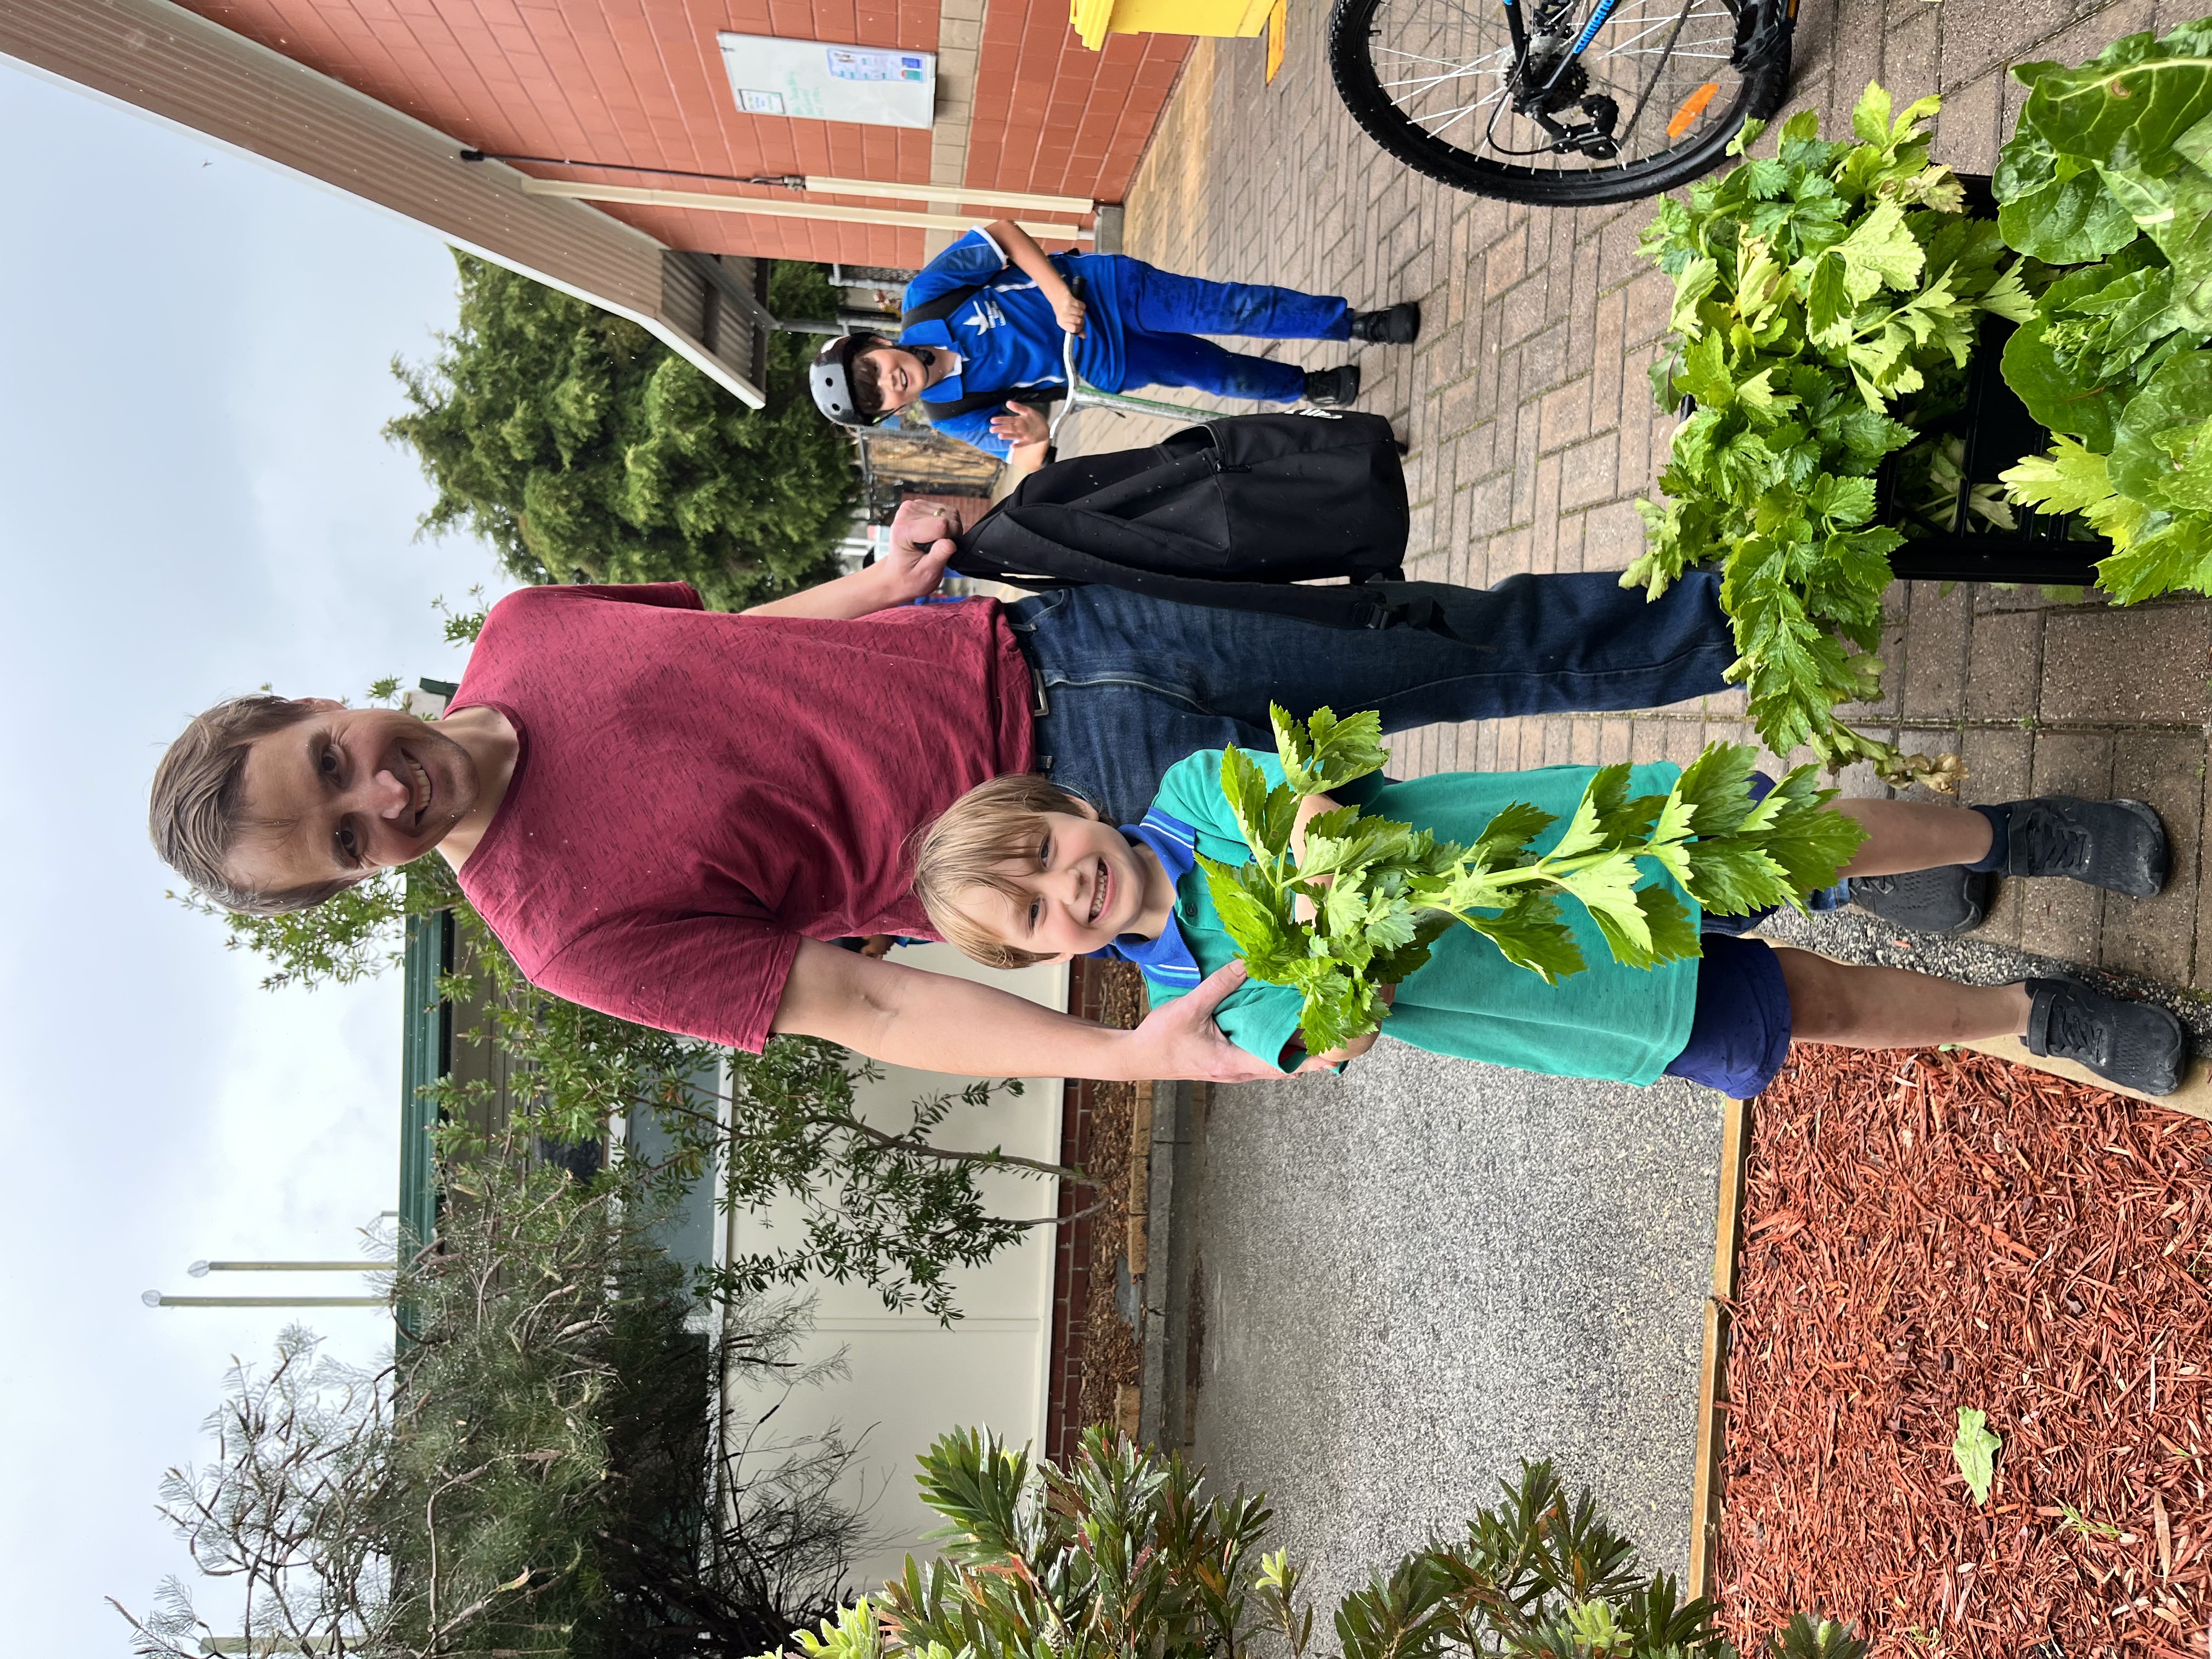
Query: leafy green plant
{"type": "Point", "coordinates": [1381, 892]}
{"type": "Point", "coordinates": [2107, 173]}
{"type": "Point", "coordinates": [885, 1203]}
{"type": "Point", "coordinates": [1812, 289]}
{"type": "Point", "coordinates": [1123, 1553]}
{"type": "Point", "coordinates": [2075, 1521]}
{"type": "Point", "coordinates": [580, 447]}
{"type": "Point", "coordinates": [1975, 1449]}
{"type": "Point", "coordinates": [555, 1466]}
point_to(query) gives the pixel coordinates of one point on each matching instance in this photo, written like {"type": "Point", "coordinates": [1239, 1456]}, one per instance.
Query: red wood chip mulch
{"type": "Point", "coordinates": [1931, 1231]}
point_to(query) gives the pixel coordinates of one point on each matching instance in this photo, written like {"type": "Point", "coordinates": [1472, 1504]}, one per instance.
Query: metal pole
{"type": "Point", "coordinates": [767, 208]}
{"type": "Point", "coordinates": [1081, 394]}
{"type": "Point", "coordinates": [202, 1269]}
{"type": "Point", "coordinates": [155, 1299]}
{"type": "Point", "coordinates": [1013, 198]}
{"type": "Point", "coordinates": [823, 183]}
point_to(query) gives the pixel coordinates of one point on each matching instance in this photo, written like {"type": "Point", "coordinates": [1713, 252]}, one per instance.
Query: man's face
{"type": "Point", "coordinates": [345, 793]}
{"type": "Point", "coordinates": [900, 375]}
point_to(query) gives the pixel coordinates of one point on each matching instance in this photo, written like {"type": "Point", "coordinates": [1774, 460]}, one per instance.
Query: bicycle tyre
{"type": "Point", "coordinates": [1764, 85]}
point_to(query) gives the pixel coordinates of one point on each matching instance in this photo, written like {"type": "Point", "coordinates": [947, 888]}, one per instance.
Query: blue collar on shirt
{"type": "Point", "coordinates": [1166, 959]}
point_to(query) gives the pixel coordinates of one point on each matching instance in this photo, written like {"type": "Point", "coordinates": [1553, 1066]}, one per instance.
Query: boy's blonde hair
{"type": "Point", "coordinates": [972, 845]}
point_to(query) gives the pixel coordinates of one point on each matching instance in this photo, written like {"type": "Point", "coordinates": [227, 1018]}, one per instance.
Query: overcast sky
{"type": "Point", "coordinates": [193, 501]}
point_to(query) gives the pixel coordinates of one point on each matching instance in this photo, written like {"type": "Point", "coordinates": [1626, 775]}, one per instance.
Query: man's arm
{"type": "Point", "coordinates": [920, 544]}
{"type": "Point", "coordinates": [935, 1023]}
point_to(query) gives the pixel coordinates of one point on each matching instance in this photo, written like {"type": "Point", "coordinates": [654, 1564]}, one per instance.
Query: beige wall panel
{"type": "Point", "coordinates": [912, 1379]}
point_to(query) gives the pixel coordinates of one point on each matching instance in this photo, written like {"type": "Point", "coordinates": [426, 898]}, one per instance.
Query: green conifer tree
{"type": "Point", "coordinates": [581, 447]}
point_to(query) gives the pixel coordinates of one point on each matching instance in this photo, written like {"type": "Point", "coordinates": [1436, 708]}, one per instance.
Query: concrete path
{"type": "Point", "coordinates": [1410, 1277]}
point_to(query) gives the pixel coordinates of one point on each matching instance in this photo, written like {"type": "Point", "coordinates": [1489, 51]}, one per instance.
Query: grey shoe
{"type": "Point", "coordinates": [1332, 388]}
{"type": "Point", "coordinates": [2134, 1044]}
{"type": "Point", "coordinates": [1949, 900]}
{"type": "Point", "coordinates": [2118, 845]}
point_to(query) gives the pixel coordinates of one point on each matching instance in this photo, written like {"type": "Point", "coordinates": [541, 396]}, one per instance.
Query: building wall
{"type": "Point", "coordinates": [908, 1379]}
{"type": "Point", "coordinates": [642, 82]}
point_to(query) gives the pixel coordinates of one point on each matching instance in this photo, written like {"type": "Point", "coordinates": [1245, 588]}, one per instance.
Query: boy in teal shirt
{"type": "Point", "coordinates": [1019, 871]}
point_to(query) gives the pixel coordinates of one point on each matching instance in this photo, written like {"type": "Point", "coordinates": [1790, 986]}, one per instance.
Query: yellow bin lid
{"type": "Point", "coordinates": [1094, 20]}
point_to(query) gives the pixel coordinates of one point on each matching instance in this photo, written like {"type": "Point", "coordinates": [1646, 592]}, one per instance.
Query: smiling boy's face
{"type": "Point", "coordinates": [901, 375]}
{"type": "Point", "coordinates": [1086, 887]}
{"type": "Point", "coordinates": [343, 793]}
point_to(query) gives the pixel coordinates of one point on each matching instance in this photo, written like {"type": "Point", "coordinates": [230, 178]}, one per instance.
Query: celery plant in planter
{"type": "Point", "coordinates": [2107, 173]}
{"type": "Point", "coordinates": [1812, 290]}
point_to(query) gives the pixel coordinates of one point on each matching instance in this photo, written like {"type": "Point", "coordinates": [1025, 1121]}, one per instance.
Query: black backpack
{"type": "Point", "coordinates": [1236, 513]}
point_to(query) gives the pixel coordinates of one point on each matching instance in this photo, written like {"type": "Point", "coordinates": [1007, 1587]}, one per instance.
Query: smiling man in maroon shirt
{"type": "Point", "coordinates": [665, 813]}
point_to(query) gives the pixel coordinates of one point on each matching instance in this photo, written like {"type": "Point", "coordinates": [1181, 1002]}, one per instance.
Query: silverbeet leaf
{"type": "Point", "coordinates": [1974, 1449]}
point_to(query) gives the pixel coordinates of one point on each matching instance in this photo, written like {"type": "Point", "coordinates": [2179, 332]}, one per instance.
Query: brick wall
{"type": "Point", "coordinates": [642, 82]}
{"type": "Point", "coordinates": [1053, 115]}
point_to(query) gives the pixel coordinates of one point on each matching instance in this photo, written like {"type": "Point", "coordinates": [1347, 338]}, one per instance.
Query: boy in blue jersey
{"type": "Point", "coordinates": [980, 347]}
{"type": "Point", "coordinates": [1019, 872]}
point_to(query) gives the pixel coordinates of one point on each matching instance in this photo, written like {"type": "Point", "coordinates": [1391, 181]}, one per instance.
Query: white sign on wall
{"type": "Point", "coordinates": [816, 80]}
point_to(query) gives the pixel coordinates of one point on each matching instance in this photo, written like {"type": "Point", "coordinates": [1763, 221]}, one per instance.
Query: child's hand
{"type": "Point", "coordinates": [1302, 908]}
{"type": "Point", "coordinates": [1329, 1060]}
{"type": "Point", "coordinates": [1332, 1058]}
{"type": "Point", "coordinates": [1069, 309]}
{"type": "Point", "coordinates": [1021, 425]}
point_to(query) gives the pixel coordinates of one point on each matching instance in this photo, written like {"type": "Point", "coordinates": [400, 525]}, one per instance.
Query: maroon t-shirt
{"type": "Point", "coordinates": [697, 790]}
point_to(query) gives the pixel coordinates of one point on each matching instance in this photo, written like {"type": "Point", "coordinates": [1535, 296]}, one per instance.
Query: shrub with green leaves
{"type": "Point", "coordinates": [580, 447]}
{"type": "Point", "coordinates": [2107, 173]}
{"type": "Point", "coordinates": [555, 1466]}
{"type": "Point", "coordinates": [1812, 289]}
{"type": "Point", "coordinates": [1382, 892]}
{"type": "Point", "coordinates": [1123, 1553]}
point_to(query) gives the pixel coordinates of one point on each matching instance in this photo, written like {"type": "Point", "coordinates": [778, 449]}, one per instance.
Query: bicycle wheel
{"type": "Point", "coordinates": [1652, 99]}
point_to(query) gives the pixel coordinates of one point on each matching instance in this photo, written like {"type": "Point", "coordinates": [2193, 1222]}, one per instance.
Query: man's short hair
{"type": "Point", "coordinates": [993, 825]}
{"type": "Point", "coordinates": [867, 372]}
{"type": "Point", "coordinates": [195, 811]}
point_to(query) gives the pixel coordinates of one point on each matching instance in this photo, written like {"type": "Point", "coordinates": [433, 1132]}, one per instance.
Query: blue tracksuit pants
{"type": "Point", "coordinates": [1164, 314]}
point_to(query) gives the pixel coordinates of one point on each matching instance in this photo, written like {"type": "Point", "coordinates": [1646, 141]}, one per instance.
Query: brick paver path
{"type": "Point", "coordinates": [1533, 430]}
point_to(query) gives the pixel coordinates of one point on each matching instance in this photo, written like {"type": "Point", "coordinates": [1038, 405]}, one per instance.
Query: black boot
{"type": "Point", "coordinates": [2118, 845]}
{"type": "Point", "coordinates": [2133, 1044]}
{"type": "Point", "coordinates": [1949, 900]}
{"type": "Point", "coordinates": [1332, 388]}
{"type": "Point", "coordinates": [1398, 324]}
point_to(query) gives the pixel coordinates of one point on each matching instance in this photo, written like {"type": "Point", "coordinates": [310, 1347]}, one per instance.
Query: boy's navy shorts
{"type": "Point", "coordinates": [1740, 1030]}
{"type": "Point", "coordinates": [1740, 1026]}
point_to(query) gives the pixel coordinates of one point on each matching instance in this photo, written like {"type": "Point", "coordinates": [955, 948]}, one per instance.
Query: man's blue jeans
{"type": "Point", "coordinates": [1131, 684]}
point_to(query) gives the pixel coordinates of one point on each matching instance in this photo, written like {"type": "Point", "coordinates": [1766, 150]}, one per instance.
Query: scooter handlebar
{"type": "Point", "coordinates": [1067, 403]}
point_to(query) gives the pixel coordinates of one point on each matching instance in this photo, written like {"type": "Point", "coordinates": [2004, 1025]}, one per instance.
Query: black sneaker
{"type": "Point", "coordinates": [1949, 900]}
{"type": "Point", "coordinates": [1398, 324]}
{"type": "Point", "coordinates": [2134, 1044]}
{"type": "Point", "coordinates": [1332, 388]}
{"type": "Point", "coordinates": [2115, 844]}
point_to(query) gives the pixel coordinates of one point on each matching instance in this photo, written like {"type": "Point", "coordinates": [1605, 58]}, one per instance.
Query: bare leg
{"type": "Point", "coordinates": [1866, 1007]}
{"type": "Point", "coordinates": [1911, 834]}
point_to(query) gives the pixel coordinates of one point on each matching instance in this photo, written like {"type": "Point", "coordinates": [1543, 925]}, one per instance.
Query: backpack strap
{"type": "Point", "coordinates": [932, 311]}
{"type": "Point", "coordinates": [975, 400]}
